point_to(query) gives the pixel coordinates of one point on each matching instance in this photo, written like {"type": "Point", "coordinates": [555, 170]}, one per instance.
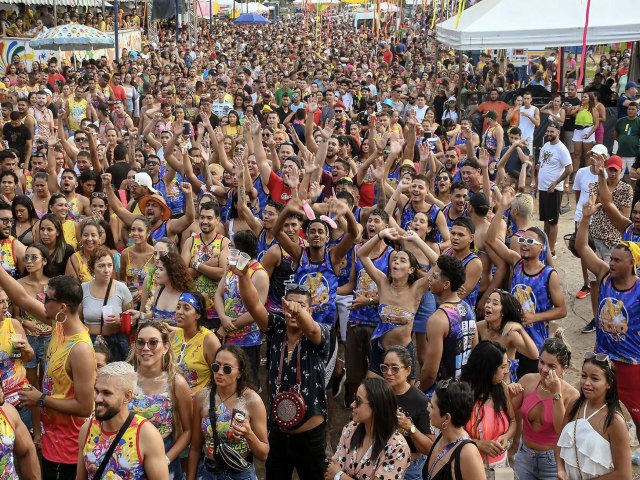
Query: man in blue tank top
{"type": "Point", "coordinates": [618, 312]}
{"type": "Point", "coordinates": [534, 284]}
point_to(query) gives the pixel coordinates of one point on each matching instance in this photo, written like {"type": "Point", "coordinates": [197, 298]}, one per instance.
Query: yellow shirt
{"type": "Point", "coordinates": [190, 358]}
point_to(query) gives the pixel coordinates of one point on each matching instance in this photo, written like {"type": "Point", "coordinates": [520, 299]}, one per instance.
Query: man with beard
{"type": "Point", "coordinates": [139, 453]}
{"type": "Point", "coordinates": [11, 250]}
{"type": "Point", "coordinates": [535, 285]}
{"type": "Point", "coordinates": [155, 209]}
{"type": "Point", "coordinates": [69, 375]}
{"type": "Point", "coordinates": [457, 206]}
{"type": "Point", "coordinates": [206, 255]}
{"type": "Point", "coordinates": [555, 166]}
{"type": "Point", "coordinates": [45, 126]}
{"type": "Point", "coordinates": [462, 234]}
{"type": "Point", "coordinates": [78, 204]}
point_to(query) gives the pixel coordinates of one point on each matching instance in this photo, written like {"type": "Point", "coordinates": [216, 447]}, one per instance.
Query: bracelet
{"type": "Point", "coordinates": [166, 457]}
{"type": "Point", "coordinates": [338, 475]}
{"type": "Point", "coordinates": [379, 237]}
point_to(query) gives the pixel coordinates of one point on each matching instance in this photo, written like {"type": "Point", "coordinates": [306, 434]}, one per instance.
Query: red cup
{"type": "Point", "coordinates": [125, 322]}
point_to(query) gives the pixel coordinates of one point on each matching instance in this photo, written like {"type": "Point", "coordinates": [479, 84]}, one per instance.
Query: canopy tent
{"type": "Point", "coordinates": [495, 24]}
{"type": "Point", "coordinates": [60, 3]}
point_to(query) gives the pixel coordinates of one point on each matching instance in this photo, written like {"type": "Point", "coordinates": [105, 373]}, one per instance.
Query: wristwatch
{"type": "Point", "coordinates": [557, 396]}
{"type": "Point", "coordinates": [338, 475]}
{"type": "Point", "coordinates": [412, 430]}
{"type": "Point", "coordinates": [41, 400]}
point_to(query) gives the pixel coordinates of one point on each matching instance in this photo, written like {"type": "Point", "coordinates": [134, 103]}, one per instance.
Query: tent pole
{"type": "Point", "coordinates": [460, 84]}
{"type": "Point", "coordinates": [116, 26]}
{"type": "Point", "coordinates": [55, 13]}
{"type": "Point", "coordinates": [561, 66]}
{"type": "Point", "coordinates": [210, 16]}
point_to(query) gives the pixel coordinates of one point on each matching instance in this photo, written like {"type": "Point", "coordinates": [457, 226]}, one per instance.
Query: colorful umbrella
{"type": "Point", "coordinates": [72, 37]}
{"type": "Point", "coordinates": [250, 19]}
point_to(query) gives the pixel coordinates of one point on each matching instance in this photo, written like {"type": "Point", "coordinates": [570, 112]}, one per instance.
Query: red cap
{"type": "Point", "coordinates": [614, 161]}
{"type": "Point", "coordinates": [339, 104]}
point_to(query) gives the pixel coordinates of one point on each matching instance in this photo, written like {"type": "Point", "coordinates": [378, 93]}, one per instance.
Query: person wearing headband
{"type": "Point", "coordinates": [193, 344]}
{"type": "Point", "coordinates": [618, 313]}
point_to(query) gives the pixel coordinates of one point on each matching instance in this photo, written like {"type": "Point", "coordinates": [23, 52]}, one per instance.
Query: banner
{"type": "Point", "coordinates": [131, 39]}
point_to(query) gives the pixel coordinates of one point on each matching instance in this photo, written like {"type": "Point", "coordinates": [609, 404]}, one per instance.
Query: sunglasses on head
{"type": "Point", "coordinates": [226, 369]}
{"type": "Point", "coordinates": [599, 357]}
{"type": "Point", "coordinates": [528, 241]}
{"type": "Point", "coordinates": [296, 287]}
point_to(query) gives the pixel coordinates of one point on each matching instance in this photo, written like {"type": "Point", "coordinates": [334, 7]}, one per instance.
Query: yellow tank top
{"type": "Point", "coordinates": [60, 438]}
{"type": "Point", "coordinates": [69, 232]}
{"type": "Point", "coordinates": [12, 371]}
{"type": "Point", "coordinates": [190, 358]}
{"type": "Point", "coordinates": [7, 256]}
{"type": "Point", "coordinates": [82, 272]}
{"type": "Point", "coordinates": [584, 118]}
{"type": "Point", "coordinates": [125, 463]}
{"type": "Point", "coordinates": [77, 111]}
{"type": "Point", "coordinates": [7, 439]}
{"type": "Point", "coordinates": [203, 284]}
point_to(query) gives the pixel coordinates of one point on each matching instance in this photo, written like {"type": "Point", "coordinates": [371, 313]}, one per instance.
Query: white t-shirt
{"type": "Point", "coordinates": [582, 182]}
{"type": "Point", "coordinates": [553, 160]}
{"type": "Point", "coordinates": [526, 125]}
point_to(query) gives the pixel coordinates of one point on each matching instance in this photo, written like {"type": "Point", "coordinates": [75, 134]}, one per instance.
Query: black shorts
{"type": "Point", "coordinates": [550, 206]}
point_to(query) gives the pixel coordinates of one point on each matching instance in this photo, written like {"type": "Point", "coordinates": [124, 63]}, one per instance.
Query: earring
{"type": "Point", "coordinates": [445, 425]}
{"type": "Point", "coordinates": [57, 314]}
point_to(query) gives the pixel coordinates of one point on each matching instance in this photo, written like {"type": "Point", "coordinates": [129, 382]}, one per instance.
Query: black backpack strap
{"type": "Point", "coordinates": [112, 447]}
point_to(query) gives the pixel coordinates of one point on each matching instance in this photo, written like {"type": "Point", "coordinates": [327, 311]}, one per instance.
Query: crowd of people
{"type": "Point", "coordinates": [211, 248]}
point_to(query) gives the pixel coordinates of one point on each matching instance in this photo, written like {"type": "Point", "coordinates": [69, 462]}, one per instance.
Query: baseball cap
{"type": "Point", "coordinates": [614, 161]}
{"type": "Point", "coordinates": [339, 104]}
{"type": "Point", "coordinates": [553, 124]}
{"type": "Point", "coordinates": [388, 102]}
{"type": "Point", "coordinates": [600, 150]}
{"type": "Point", "coordinates": [631, 85]}
{"type": "Point", "coordinates": [551, 59]}
{"type": "Point", "coordinates": [452, 99]}
{"type": "Point", "coordinates": [144, 180]}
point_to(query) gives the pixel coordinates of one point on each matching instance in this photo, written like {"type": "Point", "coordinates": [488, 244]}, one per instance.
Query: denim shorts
{"type": "Point", "coordinates": [534, 465]}
{"type": "Point", "coordinates": [414, 470]}
{"type": "Point", "coordinates": [40, 344]}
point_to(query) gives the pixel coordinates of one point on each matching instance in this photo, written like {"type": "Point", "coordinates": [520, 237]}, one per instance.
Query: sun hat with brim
{"type": "Point", "coordinates": [166, 211]}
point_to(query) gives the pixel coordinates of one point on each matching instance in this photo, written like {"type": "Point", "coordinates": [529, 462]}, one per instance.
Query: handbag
{"type": "Point", "coordinates": [112, 447]}
{"type": "Point", "coordinates": [288, 408]}
{"type": "Point", "coordinates": [225, 456]}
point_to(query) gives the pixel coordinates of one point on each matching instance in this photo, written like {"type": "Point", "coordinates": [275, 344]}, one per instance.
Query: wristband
{"type": "Point", "coordinates": [166, 457]}
{"type": "Point", "coordinates": [338, 475]}
{"type": "Point", "coordinates": [379, 237]}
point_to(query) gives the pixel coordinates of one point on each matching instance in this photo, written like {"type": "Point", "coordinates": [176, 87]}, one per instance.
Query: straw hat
{"type": "Point", "coordinates": [166, 211]}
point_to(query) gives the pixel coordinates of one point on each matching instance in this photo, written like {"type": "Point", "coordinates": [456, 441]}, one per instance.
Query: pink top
{"type": "Point", "coordinates": [547, 435]}
{"type": "Point", "coordinates": [487, 424]}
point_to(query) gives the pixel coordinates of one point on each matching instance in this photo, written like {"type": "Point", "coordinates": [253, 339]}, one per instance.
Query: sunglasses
{"type": "Point", "coordinates": [296, 287]}
{"type": "Point", "coordinates": [393, 369]}
{"type": "Point", "coordinates": [152, 164]}
{"type": "Point", "coordinates": [31, 258]}
{"type": "Point", "coordinates": [181, 354]}
{"type": "Point", "coordinates": [99, 195]}
{"type": "Point", "coordinates": [600, 357]}
{"type": "Point", "coordinates": [358, 401]}
{"type": "Point", "coordinates": [151, 343]}
{"type": "Point", "coordinates": [339, 111]}
{"type": "Point", "coordinates": [81, 139]}
{"type": "Point", "coordinates": [443, 178]}
{"type": "Point", "coordinates": [6, 221]}
{"type": "Point", "coordinates": [48, 299]}
{"type": "Point", "coordinates": [226, 369]}
{"type": "Point", "coordinates": [528, 241]}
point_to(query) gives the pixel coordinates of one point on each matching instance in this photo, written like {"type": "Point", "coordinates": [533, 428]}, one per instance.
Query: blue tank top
{"type": "Point", "coordinates": [472, 298]}
{"type": "Point", "coordinates": [263, 246]}
{"type": "Point", "coordinates": [173, 194]}
{"type": "Point", "coordinates": [282, 275]}
{"type": "Point", "coordinates": [618, 325]}
{"type": "Point", "coordinates": [323, 283]}
{"type": "Point", "coordinates": [365, 286]}
{"type": "Point", "coordinates": [449, 221]}
{"type": "Point", "coordinates": [407, 217]}
{"type": "Point", "coordinates": [263, 197]}
{"type": "Point", "coordinates": [459, 341]}
{"type": "Point", "coordinates": [629, 236]}
{"type": "Point", "coordinates": [159, 232]}
{"type": "Point", "coordinates": [224, 209]}
{"type": "Point", "coordinates": [532, 291]}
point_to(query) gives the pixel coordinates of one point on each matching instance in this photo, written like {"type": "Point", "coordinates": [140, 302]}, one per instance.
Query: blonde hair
{"type": "Point", "coordinates": [123, 371]}
{"type": "Point", "coordinates": [523, 203]}
{"type": "Point", "coordinates": [169, 365]}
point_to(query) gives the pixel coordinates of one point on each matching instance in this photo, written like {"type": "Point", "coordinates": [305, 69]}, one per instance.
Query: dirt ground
{"type": "Point", "coordinates": [578, 314]}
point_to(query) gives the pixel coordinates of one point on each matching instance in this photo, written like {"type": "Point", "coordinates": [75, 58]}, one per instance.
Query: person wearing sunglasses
{"type": "Point", "coordinates": [542, 399]}
{"type": "Point", "coordinates": [294, 334]}
{"type": "Point", "coordinates": [69, 377]}
{"type": "Point", "coordinates": [617, 321]}
{"type": "Point", "coordinates": [240, 423]}
{"type": "Point", "coordinates": [12, 250]}
{"type": "Point", "coordinates": [371, 445]}
{"type": "Point", "coordinates": [412, 414]}
{"type": "Point", "coordinates": [162, 395]}
{"type": "Point", "coordinates": [595, 423]}
{"type": "Point", "coordinates": [535, 285]}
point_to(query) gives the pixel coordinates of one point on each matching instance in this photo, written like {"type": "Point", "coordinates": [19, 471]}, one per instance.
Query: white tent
{"type": "Point", "coordinates": [538, 24]}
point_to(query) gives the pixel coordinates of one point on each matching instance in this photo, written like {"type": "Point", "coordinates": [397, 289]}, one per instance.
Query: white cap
{"type": "Point", "coordinates": [600, 149]}
{"type": "Point", "coordinates": [144, 180]}
{"type": "Point", "coordinates": [551, 59]}
{"type": "Point", "coordinates": [452, 99]}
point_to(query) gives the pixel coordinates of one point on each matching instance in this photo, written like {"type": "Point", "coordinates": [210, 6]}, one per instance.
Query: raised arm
{"type": "Point", "coordinates": [116, 206]}
{"type": "Point", "coordinates": [364, 252]}
{"type": "Point", "coordinates": [251, 300]}
{"type": "Point", "coordinates": [253, 126]}
{"type": "Point", "coordinates": [493, 232]}
{"type": "Point", "coordinates": [598, 266]}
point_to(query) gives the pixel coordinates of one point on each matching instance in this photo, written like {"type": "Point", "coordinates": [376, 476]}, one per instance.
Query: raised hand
{"type": "Point", "coordinates": [590, 207]}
